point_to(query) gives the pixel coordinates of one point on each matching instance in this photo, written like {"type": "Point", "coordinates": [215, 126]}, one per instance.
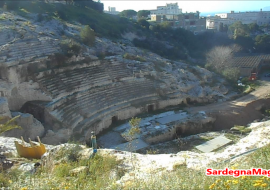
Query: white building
{"type": "Point", "coordinates": [213, 22]}
{"type": "Point", "coordinates": [112, 11]}
{"type": "Point", "coordinates": [169, 9]}
{"type": "Point", "coordinates": [259, 17]}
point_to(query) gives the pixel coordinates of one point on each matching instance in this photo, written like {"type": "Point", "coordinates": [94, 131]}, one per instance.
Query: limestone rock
{"type": "Point", "coordinates": [7, 146]}
{"type": "Point", "coordinates": [85, 153]}
{"type": "Point", "coordinates": [31, 128]}
{"type": "Point", "coordinates": [4, 110]}
{"type": "Point", "coordinates": [55, 138]}
{"type": "Point", "coordinates": [78, 170]}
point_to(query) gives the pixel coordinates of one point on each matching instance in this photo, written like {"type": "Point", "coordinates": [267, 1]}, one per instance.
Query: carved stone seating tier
{"type": "Point", "coordinates": [118, 70]}
{"type": "Point", "coordinates": [86, 104]}
{"type": "Point", "coordinates": [25, 50]}
{"type": "Point", "coordinates": [77, 79]}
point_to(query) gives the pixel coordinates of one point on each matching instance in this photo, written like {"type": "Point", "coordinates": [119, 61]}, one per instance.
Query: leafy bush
{"type": "Point", "coordinates": [267, 112]}
{"type": "Point", "coordinates": [8, 125]}
{"type": "Point", "coordinates": [88, 36]}
{"type": "Point", "coordinates": [70, 47]}
{"type": "Point", "coordinates": [133, 57]}
{"type": "Point", "coordinates": [231, 74]}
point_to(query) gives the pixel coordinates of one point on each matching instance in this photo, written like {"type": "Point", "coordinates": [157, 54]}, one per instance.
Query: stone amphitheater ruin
{"type": "Point", "coordinates": [83, 93]}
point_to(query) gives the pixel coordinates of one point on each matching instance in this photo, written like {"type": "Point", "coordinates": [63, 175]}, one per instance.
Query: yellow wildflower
{"type": "Point", "coordinates": [256, 184]}
{"type": "Point", "coordinates": [66, 187]}
{"type": "Point", "coordinates": [10, 181]}
{"type": "Point", "coordinates": [264, 185]}
{"type": "Point", "coordinates": [218, 180]}
{"type": "Point", "coordinates": [24, 188]}
{"type": "Point", "coordinates": [258, 181]}
{"type": "Point", "coordinates": [235, 181]}
{"type": "Point", "coordinates": [212, 186]}
{"type": "Point", "coordinates": [243, 177]}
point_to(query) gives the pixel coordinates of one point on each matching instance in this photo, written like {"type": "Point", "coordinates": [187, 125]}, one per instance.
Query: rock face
{"type": "Point", "coordinates": [57, 137]}
{"type": "Point", "coordinates": [31, 128]}
{"type": "Point", "coordinates": [83, 93]}
{"type": "Point", "coordinates": [4, 109]}
{"type": "Point", "coordinates": [7, 146]}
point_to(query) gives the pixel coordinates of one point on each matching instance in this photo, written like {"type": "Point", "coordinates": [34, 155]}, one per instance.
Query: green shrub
{"type": "Point", "coordinates": [88, 36]}
{"type": "Point", "coordinates": [133, 57]}
{"type": "Point", "coordinates": [267, 112]}
{"type": "Point", "coordinates": [231, 74]}
{"type": "Point", "coordinates": [70, 47]}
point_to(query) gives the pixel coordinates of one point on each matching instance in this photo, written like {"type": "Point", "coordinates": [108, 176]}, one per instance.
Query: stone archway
{"type": "Point", "coordinates": [114, 119]}
{"type": "Point", "coordinates": [150, 108]}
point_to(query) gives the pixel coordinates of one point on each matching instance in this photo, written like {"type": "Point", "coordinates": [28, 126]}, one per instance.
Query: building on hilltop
{"type": "Point", "coordinates": [112, 11]}
{"type": "Point", "coordinates": [259, 17]}
{"type": "Point", "coordinates": [170, 9]}
{"type": "Point", "coordinates": [188, 21]}
{"type": "Point", "coordinates": [213, 22]}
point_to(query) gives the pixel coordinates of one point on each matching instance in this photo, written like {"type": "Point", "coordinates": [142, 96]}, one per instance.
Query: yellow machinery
{"type": "Point", "coordinates": [34, 151]}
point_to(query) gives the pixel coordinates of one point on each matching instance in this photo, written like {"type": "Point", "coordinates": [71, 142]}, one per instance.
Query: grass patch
{"type": "Point", "coordinates": [133, 57]}
{"type": "Point", "coordinates": [240, 129]}
{"type": "Point", "coordinates": [185, 178]}
{"type": "Point", "coordinates": [98, 172]}
{"type": "Point", "coordinates": [233, 137]}
{"type": "Point", "coordinates": [249, 85]}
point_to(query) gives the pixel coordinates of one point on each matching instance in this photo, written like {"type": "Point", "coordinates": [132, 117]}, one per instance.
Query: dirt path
{"type": "Point", "coordinates": [240, 111]}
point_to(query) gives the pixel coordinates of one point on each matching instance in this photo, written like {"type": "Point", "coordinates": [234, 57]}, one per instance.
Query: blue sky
{"type": "Point", "coordinates": [189, 6]}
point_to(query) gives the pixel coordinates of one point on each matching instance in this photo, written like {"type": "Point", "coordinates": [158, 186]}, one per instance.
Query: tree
{"type": "Point", "coordinates": [262, 43]}
{"type": "Point", "coordinates": [134, 130]}
{"type": "Point", "coordinates": [244, 41]}
{"type": "Point", "coordinates": [253, 27]}
{"type": "Point", "coordinates": [221, 28]}
{"type": "Point", "coordinates": [217, 57]}
{"type": "Point", "coordinates": [144, 23]}
{"type": "Point", "coordinates": [87, 36]}
{"type": "Point", "coordinates": [143, 13]}
{"type": "Point", "coordinates": [8, 125]}
{"type": "Point", "coordinates": [225, 28]}
{"type": "Point", "coordinates": [128, 13]}
{"type": "Point", "coordinates": [239, 29]}
{"type": "Point", "coordinates": [231, 74]}
{"type": "Point", "coordinates": [88, 3]}
{"type": "Point", "coordinates": [235, 25]}
{"type": "Point", "coordinates": [165, 25]}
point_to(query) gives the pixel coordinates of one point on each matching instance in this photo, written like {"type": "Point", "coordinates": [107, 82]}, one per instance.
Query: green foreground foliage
{"type": "Point", "coordinates": [98, 172]}
{"type": "Point", "coordinates": [9, 125]}
{"type": "Point", "coordinates": [185, 178]}
{"type": "Point", "coordinates": [104, 170]}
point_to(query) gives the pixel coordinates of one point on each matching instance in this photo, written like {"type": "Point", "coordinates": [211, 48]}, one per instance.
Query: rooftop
{"type": "Point", "coordinates": [248, 60]}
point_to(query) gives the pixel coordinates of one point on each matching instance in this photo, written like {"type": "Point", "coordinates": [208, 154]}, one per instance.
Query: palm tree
{"type": "Point", "coordinates": [8, 125]}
